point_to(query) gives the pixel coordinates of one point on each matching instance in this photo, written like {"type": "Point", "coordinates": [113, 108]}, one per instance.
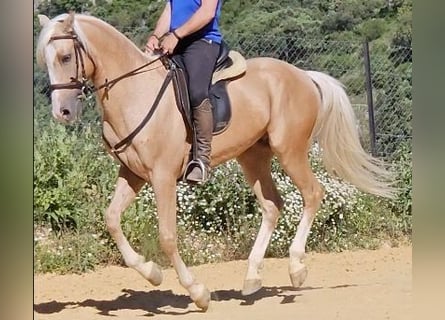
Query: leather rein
{"type": "Point", "coordinates": [82, 84]}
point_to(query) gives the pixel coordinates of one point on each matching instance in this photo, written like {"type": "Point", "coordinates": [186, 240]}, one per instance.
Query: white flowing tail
{"type": "Point", "coordinates": [336, 132]}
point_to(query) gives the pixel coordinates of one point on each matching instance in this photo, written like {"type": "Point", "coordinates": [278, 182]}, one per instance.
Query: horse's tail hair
{"type": "Point", "coordinates": [338, 136]}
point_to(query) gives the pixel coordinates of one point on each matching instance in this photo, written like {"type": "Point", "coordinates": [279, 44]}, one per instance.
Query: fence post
{"type": "Point", "coordinates": [369, 96]}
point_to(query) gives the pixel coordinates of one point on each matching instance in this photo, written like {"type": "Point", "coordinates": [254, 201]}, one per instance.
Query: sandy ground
{"type": "Point", "coordinates": [361, 285]}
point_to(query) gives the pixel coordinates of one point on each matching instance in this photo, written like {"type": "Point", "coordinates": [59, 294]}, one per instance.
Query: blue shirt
{"type": "Point", "coordinates": [182, 10]}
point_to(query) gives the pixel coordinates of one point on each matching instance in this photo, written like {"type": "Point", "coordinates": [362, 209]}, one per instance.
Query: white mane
{"type": "Point", "coordinates": [54, 26]}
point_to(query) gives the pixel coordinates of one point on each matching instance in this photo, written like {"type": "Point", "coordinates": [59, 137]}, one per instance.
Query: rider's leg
{"type": "Point", "coordinates": [200, 59]}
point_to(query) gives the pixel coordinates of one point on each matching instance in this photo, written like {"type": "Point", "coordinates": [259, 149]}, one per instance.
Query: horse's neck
{"type": "Point", "coordinates": [114, 54]}
{"type": "Point", "coordinates": [124, 103]}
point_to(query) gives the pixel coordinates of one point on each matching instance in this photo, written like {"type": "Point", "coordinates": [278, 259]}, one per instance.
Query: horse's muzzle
{"type": "Point", "coordinates": [66, 115]}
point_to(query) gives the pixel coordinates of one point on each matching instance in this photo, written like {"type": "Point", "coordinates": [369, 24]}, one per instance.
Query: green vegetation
{"type": "Point", "coordinates": [74, 177]}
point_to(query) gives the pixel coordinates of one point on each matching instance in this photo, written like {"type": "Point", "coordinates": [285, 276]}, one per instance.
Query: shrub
{"type": "Point", "coordinates": [71, 176]}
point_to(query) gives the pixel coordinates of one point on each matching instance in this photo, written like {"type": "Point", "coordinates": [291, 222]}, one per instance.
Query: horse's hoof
{"type": "Point", "coordinates": [203, 301]}
{"type": "Point", "coordinates": [152, 272]}
{"type": "Point", "coordinates": [297, 277]}
{"type": "Point", "coordinates": [251, 286]}
{"type": "Point", "coordinates": [201, 296]}
{"type": "Point", "coordinates": [156, 276]}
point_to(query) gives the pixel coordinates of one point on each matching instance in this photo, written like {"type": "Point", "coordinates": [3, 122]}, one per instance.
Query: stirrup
{"type": "Point", "coordinates": [191, 165]}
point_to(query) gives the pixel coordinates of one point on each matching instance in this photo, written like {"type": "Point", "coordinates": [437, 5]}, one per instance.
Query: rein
{"type": "Point", "coordinates": [127, 140]}
{"type": "Point", "coordinates": [82, 84]}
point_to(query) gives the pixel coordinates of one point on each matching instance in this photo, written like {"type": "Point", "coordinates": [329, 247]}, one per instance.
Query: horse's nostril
{"type": "Point", "coordinates": [65, 112]}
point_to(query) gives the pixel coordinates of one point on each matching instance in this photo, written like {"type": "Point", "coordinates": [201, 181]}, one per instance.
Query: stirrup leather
{"type": "Point", "coordinates": [201, 165]}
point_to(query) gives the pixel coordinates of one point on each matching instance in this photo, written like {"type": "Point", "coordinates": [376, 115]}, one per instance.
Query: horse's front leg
{"type": "Point", "coordinates": [127, 186]}
{"type": "Point", "coordinates": [164, 187]}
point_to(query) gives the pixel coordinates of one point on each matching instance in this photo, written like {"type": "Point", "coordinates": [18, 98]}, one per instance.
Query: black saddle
{"type": "Point", "coordinates": [219, 98]}
{"type": "Point", "coordinates": [223, 60]}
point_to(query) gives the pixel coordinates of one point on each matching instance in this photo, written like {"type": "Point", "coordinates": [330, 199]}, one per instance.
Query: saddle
{"type": "Point", "coordinates": [229, 65]}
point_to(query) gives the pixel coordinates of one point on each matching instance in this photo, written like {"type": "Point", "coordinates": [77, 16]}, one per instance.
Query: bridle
{"type": "Point", "coordinates": [75, 83]}
{"type": "Point", "coordinates": [82, 84]}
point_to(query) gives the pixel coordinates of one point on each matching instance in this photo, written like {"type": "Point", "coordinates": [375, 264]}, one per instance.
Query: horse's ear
{"type": "Point", "coordinates": [43, 20]}
{"type": "Point", "coordinates": [68, 23]}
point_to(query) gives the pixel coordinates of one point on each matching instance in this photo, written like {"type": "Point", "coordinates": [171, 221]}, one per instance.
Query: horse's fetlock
{"type": "Point", "coordinates": [187, 283]}
{"type": "Point", "coordinates": [255, 263]}
{"type": "Point", "coordinates": [296, 255]}
{"type": "Point", "coordinates": [134, 261]}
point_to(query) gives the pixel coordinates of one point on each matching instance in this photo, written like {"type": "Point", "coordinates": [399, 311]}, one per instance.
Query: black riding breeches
{"type": "Point", "coordinates": [199, 57]}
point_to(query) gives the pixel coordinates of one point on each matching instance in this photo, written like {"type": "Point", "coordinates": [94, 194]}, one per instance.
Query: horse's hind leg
{"type": "Point", "coordinates": [296, 164]}
{"type": "Point", "coordinates": [127, 186]}
{"type": "Point", "coordinates": [256, 165]}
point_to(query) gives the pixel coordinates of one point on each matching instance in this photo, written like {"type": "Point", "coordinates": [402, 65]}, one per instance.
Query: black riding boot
{"type": "Point", "coordinates": [203, 122]}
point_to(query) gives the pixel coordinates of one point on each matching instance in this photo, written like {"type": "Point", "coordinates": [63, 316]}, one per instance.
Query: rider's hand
{"type": "Point", "coordinates": [169, 43]}
{"type": "Point", "coordinates": [152, 43]}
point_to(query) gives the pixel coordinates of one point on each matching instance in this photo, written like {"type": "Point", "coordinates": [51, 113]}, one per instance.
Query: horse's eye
{"type": "Point", "coordinates": [66, 58]}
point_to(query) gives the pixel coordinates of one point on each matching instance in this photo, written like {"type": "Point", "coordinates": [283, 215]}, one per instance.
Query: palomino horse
{"type": "Point", "coordinates": [277, 109]}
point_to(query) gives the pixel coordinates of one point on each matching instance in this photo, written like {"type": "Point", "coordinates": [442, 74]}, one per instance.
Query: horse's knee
{"type": "Point", "coordinates": [318, 194]}
{"type": "Point", "coordinates": [112, 220]}
{"type": "Point", "coordinates": [168, 243]}
{"type": "Point", "coordinates": [312, 198]}
{"type": "Point", "coordinates": [271, 212]}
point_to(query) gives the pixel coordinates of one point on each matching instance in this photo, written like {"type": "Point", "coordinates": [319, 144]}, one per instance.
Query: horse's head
{"type": "Point", "coordinates": [61, 50]}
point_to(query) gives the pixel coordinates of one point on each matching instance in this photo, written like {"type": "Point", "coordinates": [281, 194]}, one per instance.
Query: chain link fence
{"type": "Point", "coordinates": [383, 104]}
